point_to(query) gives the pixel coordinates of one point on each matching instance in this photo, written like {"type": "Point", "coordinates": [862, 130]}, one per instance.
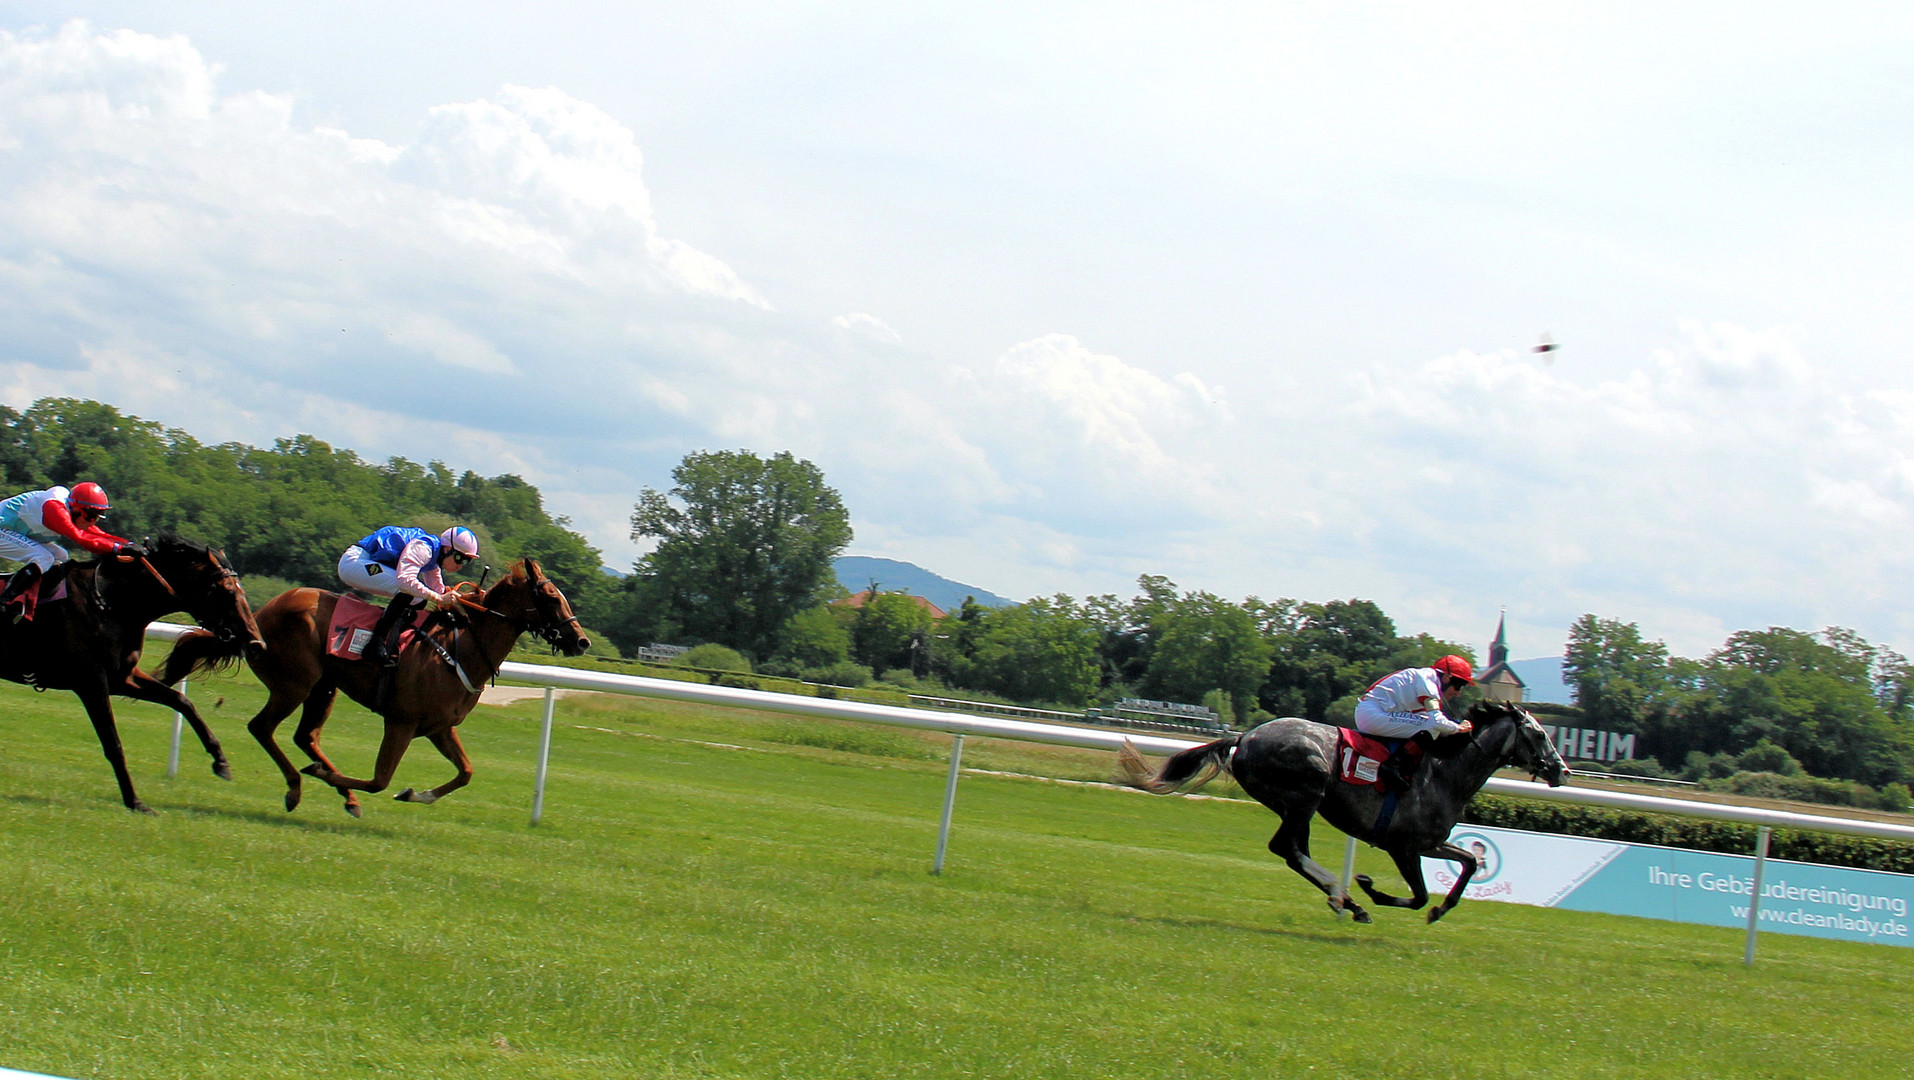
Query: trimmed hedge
{"type": "Point", "coordinates": [1601, 823]}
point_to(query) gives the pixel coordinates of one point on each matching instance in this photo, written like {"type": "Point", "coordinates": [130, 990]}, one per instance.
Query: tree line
{"type": "Point", "coordinates": [283, 514]}
{"type": "Point", "coordinates": [743, 557]}
{"type": "Point", "coordinates": [1782, 701]}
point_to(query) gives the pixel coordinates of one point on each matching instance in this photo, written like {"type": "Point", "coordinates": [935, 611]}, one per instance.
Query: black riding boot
{"type": "Point", "coordinates": [383, 649]}
{"type": "Point", "coordinates": [1396, 772]}
{"type": "Point", "coordinates": [13, 597]}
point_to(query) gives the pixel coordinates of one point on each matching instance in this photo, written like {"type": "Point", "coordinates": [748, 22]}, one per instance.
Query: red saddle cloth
{"type": "Point", "coordinates": [352, 622]}
{"type": "Point", "coordinates": [1358, 756]}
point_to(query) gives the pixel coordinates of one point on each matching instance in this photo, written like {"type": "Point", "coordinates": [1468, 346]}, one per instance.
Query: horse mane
{"type": "Point", "coordinates": [1481, 714]}
{"type": "Point", "coordinates": [515, 574]}
{"type": "Point", "coordinates": [167, 538]}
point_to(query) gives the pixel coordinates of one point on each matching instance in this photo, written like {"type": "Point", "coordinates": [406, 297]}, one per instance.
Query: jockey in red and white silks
{"type": "Point", "coordinates": [32, 522]}
{"type": "Point", "coordinates": [396, 560]}
{"type": "Point", "coordinates": [1410, 701]}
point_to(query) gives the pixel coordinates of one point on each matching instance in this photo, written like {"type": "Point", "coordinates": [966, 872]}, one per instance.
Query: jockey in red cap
{"type": "Point", "coordinates": [32, 522]}
{"type": "Point", "coordinates": [1408, 705]}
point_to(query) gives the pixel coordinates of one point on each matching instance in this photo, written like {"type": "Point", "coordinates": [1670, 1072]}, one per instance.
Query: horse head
{"type": "Point", "coordinates": [205, 586]}
{"type": "Point", "coordinates": [532, 601]}
{"type": "Point", "coordinates": [1526, 744]}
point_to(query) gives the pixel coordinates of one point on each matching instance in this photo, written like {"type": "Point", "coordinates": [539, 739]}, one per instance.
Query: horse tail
{"type": "Point", "coordinates": [198, 651]}
{"type": "Point", "coordinates": [1208, 760]}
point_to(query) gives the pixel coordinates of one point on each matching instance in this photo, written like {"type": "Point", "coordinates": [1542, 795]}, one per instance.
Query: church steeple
{"type": "Point", "coordinates": [1499, 649]}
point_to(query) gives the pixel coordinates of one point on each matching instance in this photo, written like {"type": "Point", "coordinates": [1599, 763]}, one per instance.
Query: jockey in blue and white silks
{"type": "Point", "coordinates": [398, 559]}
{"type": "Point", "coordinates": [408, 565]}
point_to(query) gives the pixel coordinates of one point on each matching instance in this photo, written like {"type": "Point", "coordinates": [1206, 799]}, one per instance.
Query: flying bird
{"type": "Point", "coordinates": [1545, 349]}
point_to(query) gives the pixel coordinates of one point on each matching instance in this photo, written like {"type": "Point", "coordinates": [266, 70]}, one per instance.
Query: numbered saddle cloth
{"type": "Point", "coordinates": [352, 623]}
{"type": "Point", "coordinates": [1359, 756]}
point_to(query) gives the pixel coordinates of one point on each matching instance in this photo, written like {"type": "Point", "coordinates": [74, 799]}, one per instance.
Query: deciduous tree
{"type": "Point", "coordinates": [744, 543]}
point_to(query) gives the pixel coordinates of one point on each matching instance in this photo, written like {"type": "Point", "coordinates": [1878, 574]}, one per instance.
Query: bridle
{"type": "Point", "coordinates": [548, 627]}
{"type": "Point", "coordinates": [1529, 730]}
{"type": "Point", "coordinates": [1526, 729]}
{"type": "Point", "coordinates": [218, 574]}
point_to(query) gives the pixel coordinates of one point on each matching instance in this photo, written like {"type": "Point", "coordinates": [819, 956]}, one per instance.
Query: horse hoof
{"type": "Point", "coordinates": [404, 796]}
{"type": "Point", "coordinates": [311, 770]}
{"type": "Point", "coordinates": [1364, 880]}
{"type": "Point", "coordinates": [1436, 913]}
{"type": "Point", "coordinates": [222, 770]}
{"type": "Point", "coordinates": [292, 801]}
{"type": "Point", "coordinates": [1361, 916]}
{"type": "Point", "coordinates": [353, 809]}
{"type": "Point", "coordinates": [139, 807]}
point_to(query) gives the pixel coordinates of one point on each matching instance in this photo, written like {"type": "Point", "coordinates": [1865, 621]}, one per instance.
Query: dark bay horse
{"type": "Point", "coordinates": [436, 684]}
{"type": "Point", "coordinates": [90, 642]}
{"type": "Point", "coordinates": [1289, 765]}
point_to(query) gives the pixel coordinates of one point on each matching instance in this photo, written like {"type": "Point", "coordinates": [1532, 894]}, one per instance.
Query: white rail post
{"type": "Point", "coordinates": [950, 800]}
{"type": "Point", "coordinates": [1754, 895]}
{"type": "Point", "coordinates": [1348, 870]}
{"type": "Point", "coordinates": [544, 756]}
{"type": "Point", "coordinates": [172, 759]}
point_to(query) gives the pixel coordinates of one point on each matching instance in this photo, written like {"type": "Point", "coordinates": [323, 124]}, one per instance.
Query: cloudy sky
{"type": "Point", "coordinates": [1055, 294]}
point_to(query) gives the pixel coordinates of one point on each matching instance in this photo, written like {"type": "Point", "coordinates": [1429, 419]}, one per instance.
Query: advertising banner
{"type": "Point", "coordinates": [1681, 886]}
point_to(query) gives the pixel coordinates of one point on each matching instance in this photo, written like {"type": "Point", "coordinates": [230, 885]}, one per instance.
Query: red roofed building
{"type": "Point", "coordinates": [858, 600]}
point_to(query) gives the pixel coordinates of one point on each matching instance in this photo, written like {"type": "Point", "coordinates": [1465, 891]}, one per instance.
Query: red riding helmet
{"type": "Point", "coordinates": [87, 496]}
{"type": "Point", "coordinates": [1456, 668]}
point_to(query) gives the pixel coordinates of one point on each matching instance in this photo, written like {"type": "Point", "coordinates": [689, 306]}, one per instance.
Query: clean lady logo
{"type": "Point", "coordinates": [1488, 857]}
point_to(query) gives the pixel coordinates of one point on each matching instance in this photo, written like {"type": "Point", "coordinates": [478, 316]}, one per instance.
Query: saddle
{"type": "Point", "coordinates": [1359, 757]}
{"type": "Point", "coordinates": [351, 628]}
{"type": "Point", "coordinates": [50, 587]}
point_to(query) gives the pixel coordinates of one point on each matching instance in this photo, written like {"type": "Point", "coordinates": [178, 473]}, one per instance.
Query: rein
{"type": "Point", "coordinates": [159, 577]}
{"type": "Point", "coordinates": [548, 631]}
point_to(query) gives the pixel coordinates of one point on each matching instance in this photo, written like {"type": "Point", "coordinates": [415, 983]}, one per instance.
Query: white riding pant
{"type": "Point", "coordinates": [359, 571]}
{"type": "Point", "coordinates": [28, 550]}
{"type": "Point", "coordinates": [1373, 719]}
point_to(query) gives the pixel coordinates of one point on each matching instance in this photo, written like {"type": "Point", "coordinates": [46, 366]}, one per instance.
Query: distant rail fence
{"type": "Point", "coordinates": [959, 725]}
{"type": "Point", "coordinates": [1127, 718]}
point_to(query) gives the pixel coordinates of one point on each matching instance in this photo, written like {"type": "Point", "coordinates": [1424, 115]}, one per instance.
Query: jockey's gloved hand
{"type": "Point", "coordinates": [444, 602]}
{"type": "Point", "coordinates": [131, 549]}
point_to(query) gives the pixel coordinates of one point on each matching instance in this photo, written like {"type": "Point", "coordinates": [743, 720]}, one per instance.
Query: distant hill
{"type": "Point", "coordinates": [1543, 676]}
{"type": "Point", "coordinates": [856, 572]}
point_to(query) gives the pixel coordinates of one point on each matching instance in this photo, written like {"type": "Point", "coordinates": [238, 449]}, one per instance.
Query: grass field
{"type": "Point", "coordinates": [727, 894]}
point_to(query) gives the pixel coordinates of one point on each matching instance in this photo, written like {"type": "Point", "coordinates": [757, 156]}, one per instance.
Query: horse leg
{"type": "Point", "coordinates": [448, 743]}
{"type": "Point", "coordinates": [143, 687]}
{"type": "Point", "coordinates": [398, 736]}
{"type": "Point", "coordinates": [99, 709]}
{"type": "Point", "coordinates": [1409, 865]}
{"type": "Point", "coordinates": [1291, 844]}
{"type": "Point", "coordinates": [1467, 859]}
{"type": "Point", "coordinates": [279, 705]}
{"type": "Point", "coordinates": [312, 719]}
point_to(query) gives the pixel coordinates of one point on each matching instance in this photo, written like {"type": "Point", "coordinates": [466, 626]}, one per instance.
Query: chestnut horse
{"type": "Point", "coordinates": [90, 642]}
{"type": "Point", "coordinates": [436, 683]}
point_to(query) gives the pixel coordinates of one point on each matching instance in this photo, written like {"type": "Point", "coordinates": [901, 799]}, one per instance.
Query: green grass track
{"type": "Point", "coordinates": [719, 893]}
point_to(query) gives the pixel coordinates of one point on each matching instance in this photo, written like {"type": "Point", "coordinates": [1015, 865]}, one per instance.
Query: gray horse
{"type": "Point", "coordinates": [1289, 765]}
